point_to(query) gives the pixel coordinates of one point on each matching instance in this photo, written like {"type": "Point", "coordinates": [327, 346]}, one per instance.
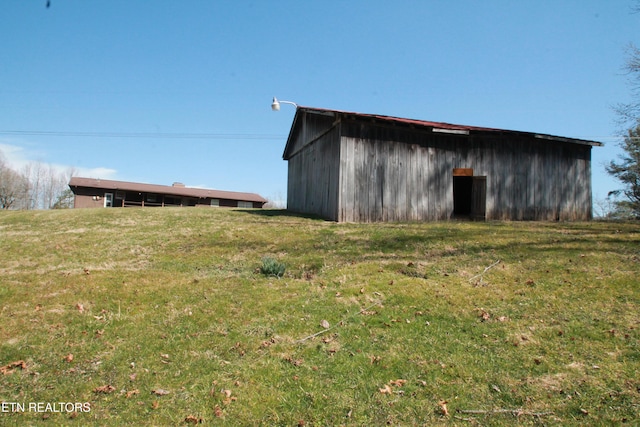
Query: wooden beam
{"type": "Point", "coordinates": [462, 172]}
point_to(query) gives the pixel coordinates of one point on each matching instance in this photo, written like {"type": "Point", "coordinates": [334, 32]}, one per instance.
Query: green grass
{"type": "Point", "coordinates": [540, 318]}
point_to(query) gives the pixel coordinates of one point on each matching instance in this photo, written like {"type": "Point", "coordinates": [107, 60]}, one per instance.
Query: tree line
{"type": "Point", "coordinates": [36, 186]}
{"type": "Point", "coordinates": [627, 168]}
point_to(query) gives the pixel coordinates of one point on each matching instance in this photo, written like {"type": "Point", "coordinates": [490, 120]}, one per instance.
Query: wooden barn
{"type": "Point", "coordinates": [356, 167]}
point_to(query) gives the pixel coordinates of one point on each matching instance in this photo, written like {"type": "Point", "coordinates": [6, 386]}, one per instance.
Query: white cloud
{"type": "Point", "coordinates": [102, 173]}
{"type": "Point", "coordinates": [17, 158]}
{"type": "Point", "coordinates": [13, 156]}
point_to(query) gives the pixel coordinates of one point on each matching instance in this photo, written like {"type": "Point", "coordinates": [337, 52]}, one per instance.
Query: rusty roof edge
{"type": "Point", "coordinates": [444, 127]}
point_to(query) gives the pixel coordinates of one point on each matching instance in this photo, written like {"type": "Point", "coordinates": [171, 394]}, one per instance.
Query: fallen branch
{"type": "Point", "coordinates": [339, 323]}
{"type": "Point", "coordinates": [514, 412]}
{"type": "Point", "coordinates": [485, 270]}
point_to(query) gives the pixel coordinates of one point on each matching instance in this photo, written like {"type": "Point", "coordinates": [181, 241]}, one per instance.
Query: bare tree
{"type": "Point", "coordinates": [46, 185]}
{"type": "Point", "coordinates": [37, 186]}
{"type": "Point", "coordinates": [51, 187]}
{"type": "Point", "coordinates": [32, 172]}
{"type": "Point", "coordinates": [13, 187]}
{"type": "Point", "coordinates": [628, 113]}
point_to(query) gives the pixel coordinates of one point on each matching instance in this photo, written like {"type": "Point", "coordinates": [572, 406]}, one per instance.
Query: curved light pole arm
{"type": "Point", "coordinates": [275, 105]}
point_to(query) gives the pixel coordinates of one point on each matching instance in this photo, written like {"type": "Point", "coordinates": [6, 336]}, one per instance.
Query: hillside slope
{"type": "Point", "coordinates": [163, 317]}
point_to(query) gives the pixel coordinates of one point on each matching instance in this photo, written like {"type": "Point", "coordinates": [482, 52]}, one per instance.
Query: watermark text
{"type": "Point", "coordinates": [45, 407]}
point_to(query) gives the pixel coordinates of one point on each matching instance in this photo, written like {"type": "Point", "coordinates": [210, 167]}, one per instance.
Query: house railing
{"type": "Point", "coordinates": [133, 204]}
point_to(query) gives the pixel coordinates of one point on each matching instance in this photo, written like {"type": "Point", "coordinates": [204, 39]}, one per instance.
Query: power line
{"type": "Point", "coordinates": [188, 135]}
{"type": "Point", "coordinates": [170, 135]}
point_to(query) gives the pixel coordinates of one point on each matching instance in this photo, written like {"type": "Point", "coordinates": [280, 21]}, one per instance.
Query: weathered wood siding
{"type": "Point", "coordinates": [392, 173]}
{"type": "Point", "coordinates": [390, 181]}
{"type": "Point", "coordinates": [314, 175]}
{"type": "Point", "coordinates": [536, 179]}
{"type": "Point", "coordinates": [307, 129]}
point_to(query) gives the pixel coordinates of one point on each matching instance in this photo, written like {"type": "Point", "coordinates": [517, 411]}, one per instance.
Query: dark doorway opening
{"type": "Point", "coordinates": [462, 191]}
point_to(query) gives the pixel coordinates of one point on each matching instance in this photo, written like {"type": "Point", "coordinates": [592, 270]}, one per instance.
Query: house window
{"type": "Point", "coordinates": [215, 202]}
{"type": "Point", "coordinates": [246, 205]}
{"type": "Point", "coordinates": [151, 198]}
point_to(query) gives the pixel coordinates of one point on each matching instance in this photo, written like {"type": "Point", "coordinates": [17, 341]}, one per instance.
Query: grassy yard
{"type": "Point", "coordinates": [165, 317]}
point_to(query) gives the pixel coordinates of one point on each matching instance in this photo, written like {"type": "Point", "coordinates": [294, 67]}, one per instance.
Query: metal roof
{"type": "Point", "coordinates": [106, 184]}
{"type": "Point", "coordinates": [445, 127]}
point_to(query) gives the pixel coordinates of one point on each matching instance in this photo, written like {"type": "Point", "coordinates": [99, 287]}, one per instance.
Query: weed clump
{"type": "Point", "coordinates": [272, 267]}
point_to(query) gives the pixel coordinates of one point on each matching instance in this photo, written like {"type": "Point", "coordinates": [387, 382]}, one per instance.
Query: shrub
{"type": "Point", "coordinates": [272, 267]}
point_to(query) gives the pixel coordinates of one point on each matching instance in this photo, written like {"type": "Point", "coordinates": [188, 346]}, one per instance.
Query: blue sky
{"type": "Point", "coordinates": [162, 91]}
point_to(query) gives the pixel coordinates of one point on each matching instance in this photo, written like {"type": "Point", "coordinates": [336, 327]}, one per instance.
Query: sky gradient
{"type": "Point", "coordinates": [162, 91]}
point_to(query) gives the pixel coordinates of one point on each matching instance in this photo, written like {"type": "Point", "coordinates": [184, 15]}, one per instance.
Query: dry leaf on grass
{"type": "Point", "coordinates": [106, 389]}
{"type": "Point", "coordinates": [386, 389]}
{"type": "Point", "coordinates": [484, 315]}
{"type": "Point", "coordinates": [80, 307]}
{"type": "Point", "coordinates": [398, 383]}
{"type": "Point", "coordinates": [325, 324]}
{"type": "Point", "coordinates": [218, 412]}
{"type": "Point", "coordinates": [8, 369]}
{"type": "Point", "coordinates": [294, 362]}
{"type": "Point", "coordinates": [160, 392]}
{"type": "Point", "coordinates": [395, 383]}
{"type": "Point", "coordinates": [228, 399]}
{"type": "Point", "coordinates": [132, 393]}
{"type": "Point", "coordinates": [190, 419]}
{"type": "Point", "coordinates": [443, 407]}
{"type": "Point", "coordinates": [69, 358]}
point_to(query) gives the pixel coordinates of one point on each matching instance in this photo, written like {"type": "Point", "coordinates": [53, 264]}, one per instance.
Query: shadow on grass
{"type": "Point", "coordinates": [273, 213]}
{"type": "Point", "coordinates": [452, 238]}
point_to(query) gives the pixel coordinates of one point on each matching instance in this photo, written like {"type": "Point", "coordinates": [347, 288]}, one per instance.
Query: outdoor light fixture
{"type": "Point", "coordinates": [275, 105]}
